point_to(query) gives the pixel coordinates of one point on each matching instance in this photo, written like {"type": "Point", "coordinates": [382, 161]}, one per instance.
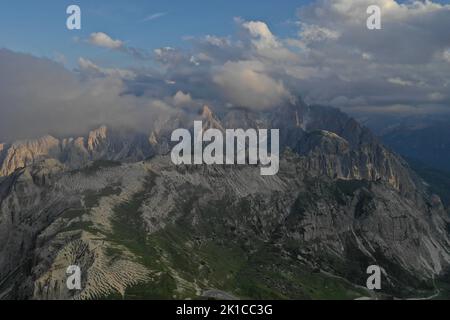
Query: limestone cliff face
{"type": "Point", "coordinates": [28, 202]}
{"type": "Point", "coordinates": [96, 139]}
{"type": "Point", "coordinates": [74, 152]}
{"type": "Point", "coordinates": [100, 144]}
{"type": "Point", "coordinates": [332, 143]}
{"type": "Point", "coordinates": [3, 146]}
{"type": "Point", "coordinates": [23, 153]}
{"type": "Point", "coordinates": [328, 154]}
{"type": "Point", "coordinates": [209, 120]}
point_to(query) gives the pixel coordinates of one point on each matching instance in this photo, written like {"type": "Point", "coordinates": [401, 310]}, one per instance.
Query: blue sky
{"type": "Point", "coordinates": [38, 27]}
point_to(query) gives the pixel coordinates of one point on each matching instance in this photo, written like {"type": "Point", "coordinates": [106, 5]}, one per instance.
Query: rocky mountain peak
{"type": "Point", "coordinates": [96, 138]}
{"type": "Point", "coordinates": [152, 139]}
{"type": "Point", "coordinates": [206, 112]}
{"type": "Point", "coordinates": [322, 141]}
{"type": "Point", "coordinates": [25, 152]}
{"type": "Point", "coordinates": [209, 119]}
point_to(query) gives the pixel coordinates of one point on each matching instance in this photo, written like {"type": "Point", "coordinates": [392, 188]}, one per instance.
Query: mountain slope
{"type": "Point", "coordinates": [150, 229]}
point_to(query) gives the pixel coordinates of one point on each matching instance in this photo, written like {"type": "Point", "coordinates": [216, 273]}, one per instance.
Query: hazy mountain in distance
{"type": "Point", "coordinates": [422, 138]}
{"type": "Point", "coordinates": [438, 181]}
{"type": "Point", "coordinates": [424, 141]}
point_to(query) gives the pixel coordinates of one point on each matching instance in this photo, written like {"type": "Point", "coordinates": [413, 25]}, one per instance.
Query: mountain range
{"type": "Point", "coordinates": [113, 203]}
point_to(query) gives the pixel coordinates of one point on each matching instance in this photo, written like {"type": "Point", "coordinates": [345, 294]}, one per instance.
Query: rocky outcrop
{"type": "Point", "coordinates": [74, 153]}
{"type": "Point", "coordinates": [335, 144]}
{"type": "Point", "coordinates": [209, 119]}
{"type": "Point", "coordinates": [23, 153]}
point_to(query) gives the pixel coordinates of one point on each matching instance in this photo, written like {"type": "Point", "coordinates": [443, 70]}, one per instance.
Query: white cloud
{"type": "Point", "coordinates": [88, 67]}
{"type": "Point", "coordinates": [446, 55]}
{"type": "Point", "coordinates": [333, 59]}
{"type": "Point", "coordinates": [182, 99]}
{"type": "Point", "coordinates": [168, 55]}
{"type": "Point", "coordinates": [101, 39]}
{"type": "Point", "coordinates": [40, 97]}
{"type": "Point", "coordinates": [436, 96]}
{"type": "Point", "coordinates": [263, 37]}
{"type": "Point", "coordinates": [400, 82]}
{"type": "Point", "coordinates": [264, 42]}
{"type": "Point", "coordinates": [411, 33]}
{"type": "Point", "coordinates": [154, 16]}
{"type": "Point", "coordinates": [402, 64]}
{"type": "Point", "coordinates": [312, 33]}
{"type": "Point", "coordinates": [245, 83]}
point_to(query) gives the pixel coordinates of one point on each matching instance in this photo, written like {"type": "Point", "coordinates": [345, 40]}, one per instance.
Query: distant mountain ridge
{"type": "Point", "coordinates": [422, 138]}
{"type": "Point", "coordinates": [302, 127]}
{"type": "Point", "coordinates": [102, 143]}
